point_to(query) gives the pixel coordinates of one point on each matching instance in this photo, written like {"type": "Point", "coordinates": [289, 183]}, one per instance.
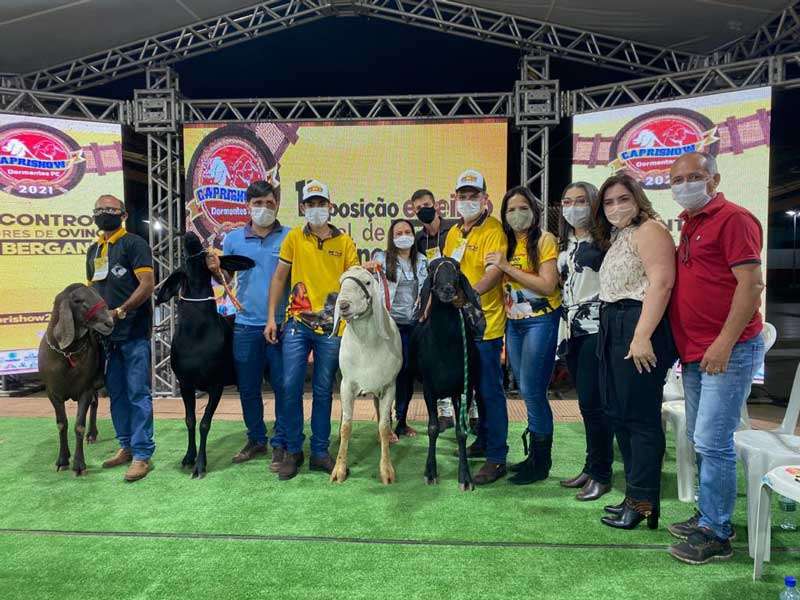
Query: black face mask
{"type": "Point", "coordinates": [426, 214]}
{"type": "Point", "coordinates": [107, 222]}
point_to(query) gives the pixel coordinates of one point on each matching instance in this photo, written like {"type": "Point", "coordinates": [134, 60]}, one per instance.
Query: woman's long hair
{"type": "Point", "coordinates": [601, 229]}
{"type": "Point", "coordinates": [534, 231]}
{"type": "Point", "coordinates": [392, 251]}
{"type": "Point", "coordinates": [564, 228]}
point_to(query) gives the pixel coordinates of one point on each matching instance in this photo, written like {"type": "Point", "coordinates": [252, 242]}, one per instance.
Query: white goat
{"type": "Point", "coordinates": [370, 358]}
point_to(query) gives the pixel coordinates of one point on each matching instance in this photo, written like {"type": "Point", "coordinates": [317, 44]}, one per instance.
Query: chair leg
{"type": "Point", "coordinates": [762, 533]}
{"type": "Point", "coordinates": [685, 463]}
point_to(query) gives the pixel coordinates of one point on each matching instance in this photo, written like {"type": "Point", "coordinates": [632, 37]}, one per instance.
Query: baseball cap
{"type": "Point", "coordinates": [471, 178]}
{"type": "Point", "coordinates": [315, 189]}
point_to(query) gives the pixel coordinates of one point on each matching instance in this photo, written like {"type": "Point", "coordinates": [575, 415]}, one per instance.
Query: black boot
{"type": "Point", "coordinates": [635, 512]}
{"type": "Point", "coordinates": [527, 448]}
{"type": "Point", "coordinates": [537, 466]}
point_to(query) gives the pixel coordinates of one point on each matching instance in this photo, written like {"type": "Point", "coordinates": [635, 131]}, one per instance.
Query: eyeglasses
{"type": "Point", "coordinates": [106, 211]}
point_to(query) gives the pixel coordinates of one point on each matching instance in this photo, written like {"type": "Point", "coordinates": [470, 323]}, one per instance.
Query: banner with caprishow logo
{"type": "Point", "coordinates": [51, 173]}
{"type": "Point", "coordinates": [645, 140]}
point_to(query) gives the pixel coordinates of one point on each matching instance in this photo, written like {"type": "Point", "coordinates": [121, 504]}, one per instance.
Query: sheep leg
{"type": "Point", "coordinates": [214, 395]}
{"type": "Point", "coordinates": [385, 408]}
{"type": "Point", "coordinates": [62, 462]}
{"type": "Point", "coordinates": [91, 437]}
{"type": "Point", "coordinates": [79, 464]}
{"type": "Point", "coordinates": [189, 405]}
{"type": "Point", "coordinates": [464, 476]}
{"type": "Point", "coordinates": [340, 470]}
{"type": "Point", "coordinates": [431, 472]}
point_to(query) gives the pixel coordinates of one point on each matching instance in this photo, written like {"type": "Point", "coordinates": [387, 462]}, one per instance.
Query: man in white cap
{"type": "Point", "coordinates": [477, 235]}
{"type": "Point", "coordinates": [312, 258]}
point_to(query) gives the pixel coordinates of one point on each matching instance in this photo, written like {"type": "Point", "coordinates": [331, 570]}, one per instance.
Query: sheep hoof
{"type": "Point", "coordinates": [62, 467]}
{"type": "Point", "coordinates": [91, 438]}
{"type": "Point", "coordinates": [198, 473]}
{"type": "Point", "coordinates": [431, 481]}
{"type": "Point", "coordinates": [388, 475]}
{"type": "Point", "coordinates": [188, 461]}
{"type": "Point", "coordinates": [79, 472]}
{"type": "Point", "coordinates": [466, 487]}
{"type": "Point", "coordinates": [339, 473]}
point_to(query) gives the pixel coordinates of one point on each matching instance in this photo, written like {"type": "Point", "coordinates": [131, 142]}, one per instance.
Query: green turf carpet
{"type": "Point", "coordinates": [248, 500]}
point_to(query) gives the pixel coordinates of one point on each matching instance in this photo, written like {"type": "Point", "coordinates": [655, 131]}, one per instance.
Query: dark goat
{"type": "Point", "coordinates": [437, 348]}
{"type": "Point", "coordinates": [202, 346]}
{"type": "Point", "coordinates": [70, 364]}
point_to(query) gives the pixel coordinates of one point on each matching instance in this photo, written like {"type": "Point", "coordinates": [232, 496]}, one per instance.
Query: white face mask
{"type": "Point", "coordinates": [317, 216]}
{"type": "Point", "coordinates": [577, 216]}
{"type": "Point", "coordinates": [519, 219]}
{"type": "Point", "coordinates": [404, 242]}
{"type": "Point", "coordinates": [620, 216]}
{"type": "Point", "coordinates": [691, 195]}
{"type": "Point", "coordinates": [262, 216]}
{"type": "Point", "coordinates": [468, 209]}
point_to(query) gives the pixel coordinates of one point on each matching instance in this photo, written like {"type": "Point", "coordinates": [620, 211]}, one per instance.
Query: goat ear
{"type": "Point", "coordinates": [170, 287]}
{"type": "Point", "coordinates": [470, 295]}
{"type": "Point", "coordinates": [64, 329]}
{"type": "Point", "coordinates": [380, 315]}
{"type": "Point", "coordinates": [234, 262]}
{"type": "Point", "coordinates": [335, 329]}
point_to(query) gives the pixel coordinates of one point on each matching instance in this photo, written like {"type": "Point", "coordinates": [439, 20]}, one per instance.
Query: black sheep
{"type": "Point", "coordinates": [438, 351]}
{"type": "Point", "coordinates": [201, 354]}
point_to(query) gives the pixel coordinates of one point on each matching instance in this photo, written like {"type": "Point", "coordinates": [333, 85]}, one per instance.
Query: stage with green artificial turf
{"type": "Point", "coordinates": [241, 533]}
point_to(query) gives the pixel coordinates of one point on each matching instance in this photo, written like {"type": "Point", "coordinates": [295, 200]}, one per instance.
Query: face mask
{"type": "Point", "coordinates": [468, 209]}
{"type": "Point", "coordinates": [404, 242]}
{"type": "Point", "coordinates": [620, 217]}
{"type": "Point", "coordinates": [520, 219]}
{"type": "Point", "coordinates": [426, 214]}
{"type": "Point", "coordinates": [691, 195]}
{"type": "Point", "coordinates": [262, 216]}
{"type": "Point", "coordinates": [108, 222]}
{"type": "Point", "coordinates": [577, 216]}
{"type": "Point", "coordinates": [317, 216]}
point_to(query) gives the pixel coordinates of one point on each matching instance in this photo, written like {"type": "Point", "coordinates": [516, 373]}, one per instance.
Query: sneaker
{"type": "Point", "coordinates": [686, 528]}
{"type": "Point", "coordinates": [489, 473]}
{"type": "Point", "coordinates": [138, 470]}
{"type": "Point", "coordinates": [277, 458]}
{"type": "Point", "coordinates": [701, 547]}
{"type": "Point", "coordinates": [321, 463]}
{"type": "Point", "coordinates": [122, 457]}
{"type": "Point", "coordinates": [290, 465]}
{"type": "Point", "coordinates": [250, 451]}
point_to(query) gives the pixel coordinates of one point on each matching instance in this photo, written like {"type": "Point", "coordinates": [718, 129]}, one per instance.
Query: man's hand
{"type": "Point", "coordinates": [715, 360]}
{"type": "Point", "coordinates": [212, 262]}
{"type": "Point", "coordinates": [497, 259]}
{"type": "Point", "coordinates": [372, 266]}
{"type": "Point", "coordinates": [271, 332]}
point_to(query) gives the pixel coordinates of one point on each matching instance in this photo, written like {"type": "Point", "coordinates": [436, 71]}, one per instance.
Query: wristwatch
{"type": "Point", "coordinates": [120, 312]}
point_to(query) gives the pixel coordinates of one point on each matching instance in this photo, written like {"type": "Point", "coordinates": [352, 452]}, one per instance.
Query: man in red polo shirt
{"type": "Point", "coordinates": [715, 319]}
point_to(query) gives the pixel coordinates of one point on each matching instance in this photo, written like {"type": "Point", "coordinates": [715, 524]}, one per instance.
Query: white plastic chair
{"type": "Point", "coordinates": [673, 412]}
{"type": "Point", "coordinates": [761, 451]}
{"type": "Point", "coordinates": [781, 480]}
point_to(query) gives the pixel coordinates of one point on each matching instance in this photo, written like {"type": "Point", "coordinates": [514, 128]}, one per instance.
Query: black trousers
{"type": "Point", "coordinates": [584, 369]}
{"type": "Point", "coordinates": [405, 378]}
{"type": "Point", "coordinates": [633, 399]}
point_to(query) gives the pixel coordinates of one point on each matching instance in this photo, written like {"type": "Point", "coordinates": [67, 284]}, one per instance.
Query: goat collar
{"type": "Point", "coordinates": [363, 289]}
{"type": "Point", "coordinates": [185, 299]}
{"type": "Point", "coordinates": [71, 362]}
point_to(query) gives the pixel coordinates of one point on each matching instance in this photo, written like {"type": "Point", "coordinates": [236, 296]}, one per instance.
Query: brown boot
{"type": "Point", "coordinates": [489, 473]}
{"type": "Point", "coordinates": [290, 465]}
{"type": "Point", "coordinates": [321, 463]}
{"type": "Point", "coordinates": [120, 458]}
{"type": "Point", "coordinates": [249, 452]}
{"type": "Point", "coordinates": [138, 470]}
{"type": "Point", "coordinates": [277, 458]}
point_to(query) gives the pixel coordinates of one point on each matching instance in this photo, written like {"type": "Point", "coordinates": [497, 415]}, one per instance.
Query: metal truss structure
{"type": "Point", "coordinates": [271, 16]}
{"type": "Point", "coordinates": [778, 71]}
{"type": "Point", "coordinates": [779, 35]}
{"type": "Point", "coordinates": [44, 104]}
{"type": "Point", "coordinates": [164, 166]}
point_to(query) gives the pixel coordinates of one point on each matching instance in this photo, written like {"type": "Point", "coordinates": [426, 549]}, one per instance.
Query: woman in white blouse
{"type": "Point", "coordinates": [579, 263]}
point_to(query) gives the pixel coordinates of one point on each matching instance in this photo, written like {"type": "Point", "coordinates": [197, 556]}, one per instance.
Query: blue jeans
{"type": "Point", "coordinates": [298, 341]}
{"type": "Point", "coordinates": [713, 407]}
{"type": "Point", "coordinates": [493, 421]}
{"type": "Point", "coordinates": [254, 359]}
{"type": "Point", "coordinates": [531, 348]}
{"type": "Point", "coordinates": [128, 385]}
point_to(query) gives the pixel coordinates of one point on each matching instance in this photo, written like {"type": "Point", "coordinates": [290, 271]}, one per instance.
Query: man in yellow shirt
{"type": "Point", "coordinates": [314, 256]}
{"type": "Point", "coordinates": [477, 235]}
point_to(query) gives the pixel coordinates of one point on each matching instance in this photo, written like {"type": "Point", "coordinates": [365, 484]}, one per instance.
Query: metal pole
{"type": "Point", "coordinates": [794, 249]}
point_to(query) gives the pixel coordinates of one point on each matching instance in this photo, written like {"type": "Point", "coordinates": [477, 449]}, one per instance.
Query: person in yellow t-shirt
{"type": "Point", "coordinates": [532, 303]}
{"type": "Point", "coordinates": [311, 260]}
{"type": "Point", "coordinates": [476, 236]}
